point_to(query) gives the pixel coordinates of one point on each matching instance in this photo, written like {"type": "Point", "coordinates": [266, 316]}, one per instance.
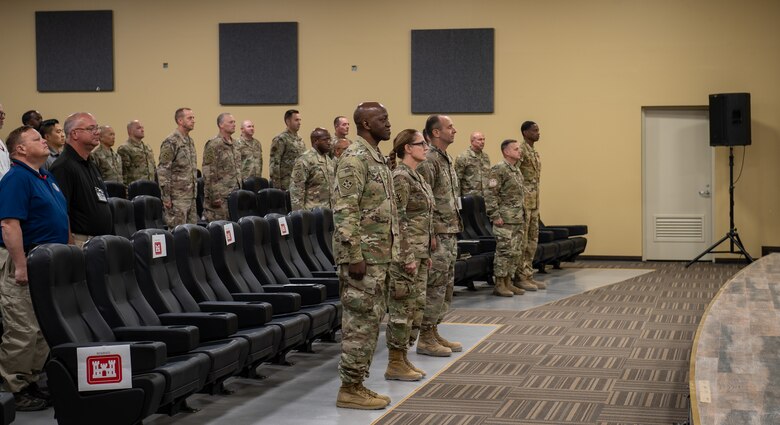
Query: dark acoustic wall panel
{"type": "Point", "coordinates": [452, 70]}
{"type": "Point", "coordinates": [75, 50]}
{"type": "Point", "coordinates": [258, 63]}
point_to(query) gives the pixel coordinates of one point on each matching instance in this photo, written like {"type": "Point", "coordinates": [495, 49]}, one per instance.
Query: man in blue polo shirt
{"type": "Point", "coordinates": [33, 211]}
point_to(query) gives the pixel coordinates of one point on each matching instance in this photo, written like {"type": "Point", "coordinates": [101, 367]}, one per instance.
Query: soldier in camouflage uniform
{"type": "Point", "coordinates": [221, 169]}
{"type": "Point", "coordinates": [313, 174]}
{"type": "Point", "coordinates": [504, 204]}
{"type": "Point", "coordinates": [251, 151]}
{"type": "Point", "coordinates": [107, 161]}
{"type": "Point", "coordinates": [473, 167]}
{"type": "Point", "coordinates": [409, 275]}
{"type": "Point", "coordinates": [339, 148]}
{"type": "Point", "coordinates": [285, 149]}
{"type": "Point", "coordinates": [340, 132]}
{"type": "Point", "coordinates": [531, 167]}
{"type": "Point", "coordinates": [177, 171]}
{"type": "Point", "coordinates": [365, 219]}
{"type": "Point", "coordinates": [439, 171]}
{"type": "Point", "coordinates": [137, 157]}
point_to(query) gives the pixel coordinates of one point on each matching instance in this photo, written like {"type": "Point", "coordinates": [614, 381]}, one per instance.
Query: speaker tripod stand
{"type": "Point", "coordinates": [732, 235]}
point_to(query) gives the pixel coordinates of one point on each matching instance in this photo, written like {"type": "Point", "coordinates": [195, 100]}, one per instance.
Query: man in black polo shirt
{"type": "Point", "coordinates": [32, 212]}
{"type": "Point", "coordinates": [80, 180]}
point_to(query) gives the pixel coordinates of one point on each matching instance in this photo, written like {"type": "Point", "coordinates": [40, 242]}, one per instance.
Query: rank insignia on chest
{"type": "Point", "coordinates": [346, 183]}
{"type": "Point", "coordinates": [493, 183]}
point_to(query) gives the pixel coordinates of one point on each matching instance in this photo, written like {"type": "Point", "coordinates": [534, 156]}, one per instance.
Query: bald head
{"type": "Point", "coordinates": [107, 136]}
{"type": "Point", "coordinates": [372, 122]}
{"type": "Point", "coordinates": [477, 141]}
{"type": "Point", "coordinates": [247, 129]}
{"type": "Point", "coordinates": [135, 130]}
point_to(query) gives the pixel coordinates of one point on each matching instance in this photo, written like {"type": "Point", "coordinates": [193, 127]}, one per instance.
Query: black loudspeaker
{"type": "Point", "coordinates": [730, 119]}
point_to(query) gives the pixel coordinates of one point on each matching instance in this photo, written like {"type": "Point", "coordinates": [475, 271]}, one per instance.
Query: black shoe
{"type": "Point", "coordinates": [38, 392]}
{"type": "Point", "coordinates": [26, 402]}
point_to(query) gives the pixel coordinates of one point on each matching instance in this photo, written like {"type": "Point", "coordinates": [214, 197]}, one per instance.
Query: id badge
{"type": "Point", "coordinates": [101, 196]}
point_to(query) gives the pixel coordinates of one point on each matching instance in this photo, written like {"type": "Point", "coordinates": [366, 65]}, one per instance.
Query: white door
{"type": "Point", "coordinates": [677, 183]}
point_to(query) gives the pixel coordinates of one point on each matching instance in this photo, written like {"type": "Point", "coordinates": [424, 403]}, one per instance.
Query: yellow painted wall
{"type": "Point", "coordinates": [581, 69]}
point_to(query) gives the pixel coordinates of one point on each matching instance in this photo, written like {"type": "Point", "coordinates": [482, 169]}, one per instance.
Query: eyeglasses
{"type": "Point", "coordinates": [419, 144]}
{"type": "Point", "coordinates": [91, 129]}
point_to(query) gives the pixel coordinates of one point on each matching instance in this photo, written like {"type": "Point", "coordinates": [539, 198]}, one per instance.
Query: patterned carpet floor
{"type": "Point", "coordinates": [615, 355]}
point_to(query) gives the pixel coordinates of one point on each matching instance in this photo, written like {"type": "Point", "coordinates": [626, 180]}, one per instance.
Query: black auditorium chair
{"type": "Point", "coordinates": [201, 279]}
{"type": "Point", "coordinates": [231, 265]}
{"type": "Point", "coordinates": [261, 260]}
{"type": "Point", "coordinates": [116, 189]}
{"type": "Point", "coordinates": [199, 196]}
{"type": "Point", "coordinates": [148, 212]}
{"type": "Point", "coordinates": [286, 251]}
{"type": "Point", "coordinates": [305, 238]}
{"type": "Point", "coordinates": [271, 201]}
{"type": "Point", "coordinates": [69, 319]}
{"type": "Point", "coordinates": [123, 217]}
{"type": "Point", "coordinates": [242, 203]}
{"type": "Point", "coordinates": [111, 277]}
{"type": "Point", "coordinates": [143, 187]}
{"type": "Point", "coordinates": [7, 408]}
{"type": "Point", "coordinates": [482, 224]}
{"type": "Point", "coordinates": [576, 233]}
{"type": "Point", "coordinates": [255, 184]}
{"type": "Point", "coordinates": [468, 215]}
{"type": "Point", "coordinates": [159, 279]}
{"type": "Point", "coordinates": [323, 228]}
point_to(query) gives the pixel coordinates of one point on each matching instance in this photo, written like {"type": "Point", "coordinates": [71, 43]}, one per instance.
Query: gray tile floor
{"type": "Point", "coordinates": [305, 392]}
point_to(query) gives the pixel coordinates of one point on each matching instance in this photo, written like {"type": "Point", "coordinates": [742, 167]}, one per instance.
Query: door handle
{"type": "Point", "coordinates": [705, 193]}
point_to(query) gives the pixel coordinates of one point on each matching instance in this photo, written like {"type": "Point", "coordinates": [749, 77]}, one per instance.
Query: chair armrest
{"type": "Point", "coordinates": [178, 339]}
{"type": "Point", "coordinates": [574, 229]}
{"type": "Point", "coordinates": [145, 355]}
{"type": "Point", "coordinates": [311, 294]}
{"type": "Point", "coordinates": [282, 302]}
{"type": "Point", "coordinates": [250, 313]}
{"type": "Point", "coordinates": [331, 284]}
{"type": "Point", "coordinates": [213, 326]}
{"type": "Point", "coordinates": [325, 273]}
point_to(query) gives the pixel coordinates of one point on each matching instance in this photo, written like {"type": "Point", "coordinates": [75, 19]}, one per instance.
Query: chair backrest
{"type": "Point", "coordinates": [143, 187]}
{"type": "Point", "coordinates": [148, 212]}
{"type": "Point", "coordinates": [310, 228]}
{"type": "Point", "coordinates": [271, 201]}
{"type": "Point", "coordinates": [227, 252]}
{"type": "Point", "coordinates": [242, 203]}
{"type": "Point", "coordinates": [255, 183]}
{"type": "Point", "coordinates": [123, 216]}
{"type": "Point", "coordinates": [158, 274]}
{"type": "Point", "coordinates": [116, 189]}
{"type": "Point", "coordinates": [112, 282]}
{"type": "Point", "coordinates": [483, 223]}
{"type": "Point", "coordinates": [200, 195]}
{"type": "Point", "coordinates": [196, 269]}
{"type": "Point", "coordinates": [63, 305]}
{"type": "Point", "coordinates": [300, 222]}
{"type": "Point", "coordinates": [323, 227]}
{"type": "Point", "coordinates": [467, 217]}
{"type": "Point", "coordinates": [254, 232]}
{"type": "Point", "coordinates": [284, 249]}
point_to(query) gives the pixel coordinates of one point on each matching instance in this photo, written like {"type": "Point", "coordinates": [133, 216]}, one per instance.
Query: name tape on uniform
{"type": "Point", "coordinates": [107, 367]}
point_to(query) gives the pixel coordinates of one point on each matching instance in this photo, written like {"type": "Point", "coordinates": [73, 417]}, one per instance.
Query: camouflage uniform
{"type": "Point", "coordinates": [177, 174]}
{"type": "Point", "coordinates": [439, 171]}
{"type": "Point", "coordinates": [251, 157]}
{"type": "Point", "coordinates": [312, 181]}
{"type": "Point", "coordinates": [406, 301]}
{"type": "Point", "coordinates": [108, 162]}
{"type": "Point", "coordinates": [531, 167]}
{"type": "Point", "coordinates": [505, 200]}
{"type": "Point", "coordinates": [365, 219]}
{"type": "Point", "coordinates": [285, 149]}
{"type": "Point", "coordinates": [473, 170]}
{"type": "Point", "coordinates": [221, 175]}
{"type": "Point", "coordinates": [137, 161]}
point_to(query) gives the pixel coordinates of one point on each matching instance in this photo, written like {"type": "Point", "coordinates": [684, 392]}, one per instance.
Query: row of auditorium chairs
{"type": "Point", "coordinates": [196, 306]}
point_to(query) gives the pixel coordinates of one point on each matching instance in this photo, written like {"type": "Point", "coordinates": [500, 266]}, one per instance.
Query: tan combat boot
{"type": "Point", "coordinates": [429, 345]}
{"type": "Point", "coordinates": [398, 370]}
{"type": "Point", "coordinates": [412, 366]}
{"type": "Point", "coordinates": [355, 396]}
{"type": "Point", "coordinates": [455, 346]}
{"type": "Point", "coordinates": [515, 290]}
{"type": "Point", "coordinates": [499, 289]}
{"type": "Point", "coordinates": [539, 285]}
{"type": "Point", "coordinates": [524, 284]}
{"type": "Point", "coordinates": [373, 394]}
